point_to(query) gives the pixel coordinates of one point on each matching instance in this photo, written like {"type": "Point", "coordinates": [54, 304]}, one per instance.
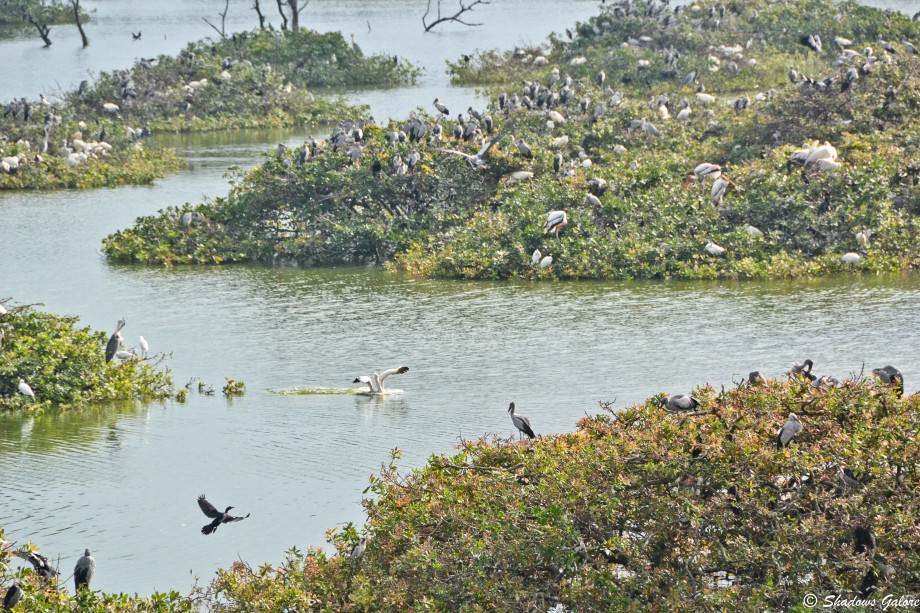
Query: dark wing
{"type": "Point", "coordinates": [230, 518]}
{"type": "Point", "coordinates": [211, 527]}
{"type": "Point", "coordinates": [525, 426]}
{"type": "Point", "coordinates": [111, 347]}
{"type": "Point", "coordinates": [82, 573]}
{"type": "Point", "coordinates": [207, 508]}
{"type": "Point", "coordinates": [13, 596]}
{"type": "Point", "coordinates": [485, 149]}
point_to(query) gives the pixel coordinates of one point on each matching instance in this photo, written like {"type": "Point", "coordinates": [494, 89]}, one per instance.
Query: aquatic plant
{"type": "Point", "coordinates": [232, 387]}
{"type": "Point", "coordinates": [64, 364]}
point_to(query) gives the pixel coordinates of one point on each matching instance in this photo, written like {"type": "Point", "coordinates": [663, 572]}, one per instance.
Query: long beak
{"type": "Point", "coordinates": [687, 182]}
{"type": "Point", "coordinates": [730, 182]}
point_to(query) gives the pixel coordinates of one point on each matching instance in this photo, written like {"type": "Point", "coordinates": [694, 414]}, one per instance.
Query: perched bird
{"type": "Point", "coordinates": [358, 550]}
{"type": "Point", "coordinates": [112, 346]}
{"type": "Point", "coordinates": [13, 596]}
{"type": "Point", "coordinates": [441, 107]}
{"type": "Point", "coordinates": [755, 378]}
{"type": "Point", "coordinates": [219, 518]}
{"type": "Point", "coordinates": [375, 382]}
{"type": "Point", "coordinates": [849, 479]}
{"type": "Point", "coordinates": [802, 368]}
{"type": "Point", "coordinates": [536, 257]}
{"type": "Point", "coordinates": [714, 249]}
{"type": "Point", "coordinates": [850, 258]}
{"type": "Point", "coordinates": [546, 262]}
{"type": "Point", "coordinates": [145, 346]}
{"type": "Point", "coordinates": [521, 423]}
{"type": "Point", "coordinates": [679, 402]}
{"type": "Point", "coordinates": [788, 432]}
{"type": "Point", "coordinates": [25, 389]}
{"type": "Point", "coordinates": [555, 221]}
{"type": "Point", "coordinates": [702, 172]}
{"type": "Point", "coordinates": [40, 563]}
{"type": "Point", "coordinates": [83, 571]}
{"type": "Point", "coordinates": [864, 540]}
{"type": "Point", "coordinates": [892, 377]}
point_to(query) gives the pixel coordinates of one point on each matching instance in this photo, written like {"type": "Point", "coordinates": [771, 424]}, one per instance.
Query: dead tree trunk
{"type": "Point", "coordinates": [223, 19]}
{"type": "Point", "coordinates": [295, 12]}
{"type": "Point", "coordinates": [76, 16]}
{"type": "Point", "coordinates": [43, 29]}
{"type": "Point", "coordinates": [258, 10]}
{"type": "Point", "coordinates": [284, 19]}
{"type": "Point", "coordinates": [456, 17]}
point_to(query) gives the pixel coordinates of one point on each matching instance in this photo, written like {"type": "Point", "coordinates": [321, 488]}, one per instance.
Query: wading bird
{"type": "Point", "coordinates": [83, 571]}
{"type": "Point", "coordinates": [475, 161]}
{"type": "Point", "coordinates": [13, 596]}
{"type": "Point", "coordinates": [892, 377]}
{"type": "Point", "coordinates": [441, 107]}
{"type": "Point", "coordinates": [678, 402]}
{"type": "Point", "coordinates": [555, 221]}
{"type": "Point", "coordinates": [375, 382]}
{"type": "Point", "coordinates": [25, 389]}
{"type": "Point", "coordinates": [219, 518]}
{"type": "Point", "coordinates": [521, 423]}
{"type": "Point", "coordinates": [358, 550]}
{"type": "Point", "coordinates": [145, 346]}
{"type": "Point", "coordinates": [788, 432]}
{"type": "Point", "coordinates": [112, 346]}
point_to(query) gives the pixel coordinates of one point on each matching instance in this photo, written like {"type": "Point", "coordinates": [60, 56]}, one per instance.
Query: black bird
{"type": "Point", "coordinates": [376, 167]}
{"type": "Point", "coordinates": [521, 423]}
{"type": "Point", "coordinates": [891, 376]}
{"type": "Point", "coordinates": [40, 564]}
{"type": "Point", "coordinates": [136, 36]}
{"type": "Point", "coordinates": [755, 378]}
{"type": "Point", "coordinates": [13, 596]}
{"type": "Point", "coordinates": [219, 518]}
{"type": "Point", "coordinates": [812, 41]}
{"type": "Point", "coordinates": [804, 370]}
{"type": "Point", "coordinates": [865, 540]}
{"type": "Point", "coordinates": [83, 571]}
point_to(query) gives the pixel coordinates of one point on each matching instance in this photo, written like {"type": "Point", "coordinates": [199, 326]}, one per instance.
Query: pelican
{"type": "Point", "coordinates": [891, 376]}
{"type": "Point", "coordinates": [211, 511]}
{"type": "Point", "coordinates": [555, 221]}
{"type": "Point", "coordinates": [475, 161]}
{"type": "Point", "coordinates": [145, 346]}
{"type": "Point", "coordinates": [83, 571]}
{"type": "Point", "coordinates": [112, 346]}
{"type": "Point", "coordinates": [441, 107]}
{"type": "Point", "coordinates": [25, 389]}
{"type": "Point", "coordinates": [521, 423]}
{"type": "Point", "coordinates": [788, 432]}
{"type": "Point", "coordinates": [375, 382]}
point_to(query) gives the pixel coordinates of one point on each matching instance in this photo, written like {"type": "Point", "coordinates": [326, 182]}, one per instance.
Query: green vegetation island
{"type": "Point", "coordinates": [800, 162]}
{"type": "Point", "coordinates": [698, 509]}
{"type": "Point", "coordinates": [94, 136]}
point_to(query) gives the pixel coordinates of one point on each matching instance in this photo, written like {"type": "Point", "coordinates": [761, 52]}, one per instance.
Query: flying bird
{"type": "Point", "coordinates": [219, 518]}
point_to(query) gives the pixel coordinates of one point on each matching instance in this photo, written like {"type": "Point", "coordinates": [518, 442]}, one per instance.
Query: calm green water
{"type": "Point", "coordinates": [123, 479]}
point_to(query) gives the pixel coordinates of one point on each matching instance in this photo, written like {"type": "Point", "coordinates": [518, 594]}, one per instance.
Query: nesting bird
{"type": "Point", "coordinates": [788, 432]}
{"type": "Point", "coordinates": [112, 346]}
{"type": "Point", "coordinates": [83, 571]}
{"type": "Point", "coordinates": [521, 423]}
{"type": "Point", "coordinates": [555, 221]}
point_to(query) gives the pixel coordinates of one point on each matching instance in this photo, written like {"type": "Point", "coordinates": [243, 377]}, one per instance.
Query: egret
{"type": "Point", "coordinates": [592, 200]}
{"type": "Point", "coordinates": [891, 376]}
{"type": "Point", "coordinates": [83, 571]}
{"type": "Point", "coordinates": [521, 423]}
{"type": "Point", "coordinates": [112, 346]}
{"type": "Point", "coordinates": [145, 347]}
{"type": "Point", "coordinates": [476, 161]}
{"type": "Point", "coordinates": [714, 249]}
{"type": "Point", "coordinates": [546, 262]}
{"type": "Point", "coordinates": [788, 432]}
{"type": "Point", "coordinates": [555, 221]}
{"type": "Point", "coordinates": [358, 550]}
{"type": "Point", "coordinates": [862, 237]}
{"type": "Point", "coordinates": [13, 596]}
{"type": "Point", "coordinates": [441, 107]}
{"type": "Point", "coordinates": [536, 257]}
{"type": "Point", "coordinates": [124, 355]}
{"type": "Point", "coordinates": [211, 511]}
{"type": "Point", "coordinates": [3, 310]}
{"type": "Point", "coordinates": [375, 382]}
{"type": "Point", "coordinates": [25, 389]}
{"type": "Point", "coordinates": [850, 258]}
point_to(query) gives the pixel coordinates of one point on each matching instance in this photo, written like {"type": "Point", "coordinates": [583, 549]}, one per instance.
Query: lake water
{"type": "Point", "coordinates": [122, 479]}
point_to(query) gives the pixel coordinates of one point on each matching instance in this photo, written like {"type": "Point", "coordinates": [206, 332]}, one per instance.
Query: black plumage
{"type": "Point", "coordinates": [13, 596]}
{"type": "Point", "coordinates": [219, 518]}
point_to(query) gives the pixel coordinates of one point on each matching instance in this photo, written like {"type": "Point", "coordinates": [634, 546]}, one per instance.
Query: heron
{"type": "Point", "coordinates": [755, 378]}
{"type": "Point", "coordinates": [112, 346]}
{"type": "Point", "coordinates": [83, 571]}
{"type": "Point", "coordinates": [441, 107]}
{"type": "Point", "coordinates": [25, 389]}
{"type": "Point", "coordinates": [355, 46]}
{"type": "Point", "coordinates": [145, 346]}
{"type": "Point", "coordinates": [358, 550]}
{"type": "Point", "coordinates": [678, 402]}
{"type": "Point", "coordinates": [524, 148]}
{"type": "Point", "coordinates": [476, 161]}
{"type": "Point", "coordinates": [375, 382]}
{"type": "Point", "coordinates": [219, 518]}
{"type": "Point", "coordinates": [788, 432]}
{"type": "Point", "coordinates": [555, 221]}
{"type": "Point", "coordinates": [892, 377]}
{"type": "Point", "coordinates": [536, 257]}
{"type": "Point", "coordinates": [521, 423]}
{"type": "Point", "coordinates": [13, 596]}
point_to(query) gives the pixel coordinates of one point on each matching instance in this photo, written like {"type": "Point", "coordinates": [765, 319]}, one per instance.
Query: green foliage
{"type": "Point", "coordinates": [444, 219]}
{"type": "Point", "coordinates": [689, 511]}
{"type": "Point", "coordinates": [12, 12]}
{"type": "Point", "coordinates": [65, 365]}
{"type": "Point", "coordinates": [233, 387]}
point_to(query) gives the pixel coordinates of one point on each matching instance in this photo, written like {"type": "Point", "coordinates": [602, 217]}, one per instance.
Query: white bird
{"type": "Point", "coordinates": [753, 231]}
{"type": "Point", "coordinates": [358, 550]}
{"type": "Point", "coordinates": [144, 345]}
{"type": "Point", "coordinates": [520, 175]}
{"type": "Point", "coordinates": [3, 310]}
{"type": "Point", "coordinates": [862, 237]}
{"type": "Point", "coordinates": [684, 114]}
{"type": "Point", "coordinates": [718, 190]}
{"type": "Point", "coordinates": [850, 258]}
{"type": "Point", "coordinates": [110, 107]}
{"type": "Point", "coordinates": [546, 262]}
{"type": "Point", "coordinates": [375, 382]}
{"type": "Point", "coordinates": [25, 389]}
{"type": "Point", "coordinates": [714, 249]}
{"type": "Point", "coordinates": [536, 257]}
{"type": "Point", "coordinates": [121, 354]}
{"type": "Point", "coordinates": [478, 160]}
{"type": "Point", "coordinates": [555, 221]}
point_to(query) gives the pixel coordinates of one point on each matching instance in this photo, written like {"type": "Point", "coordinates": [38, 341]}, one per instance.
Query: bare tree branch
{"type": "Point", "coordinates": [258, 10]}
{"type": "Point", "coordinates": [43, 29]}
{"type": "Point", "coordinates": [464, 8]}
{"type": "Point", "coordinates": [295, 12]}
{"type": "Point", "coordinates": [284, 19]}
{"type": "Point", "coordinates": [223, 19]}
